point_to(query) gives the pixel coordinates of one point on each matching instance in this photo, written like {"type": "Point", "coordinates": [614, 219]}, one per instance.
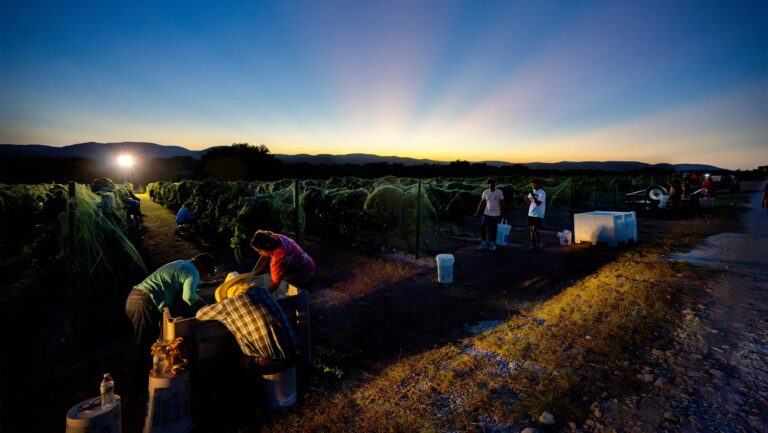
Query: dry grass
{"type": "Point", "coordinates": [558, 356]}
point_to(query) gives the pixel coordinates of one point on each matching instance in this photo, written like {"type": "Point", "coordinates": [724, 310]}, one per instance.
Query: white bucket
{"type": "Point", "coordinates": [502, 233]}
{"type": "Point", "coordinates": [568, 237]}
{"type": "Point", "coordinates": [168, 405]}
{"type": "Point", "coordinates": [280, 388]}
{"type": "Point", "coordinates": [88, 416]}
{"type": "Point", "coordinates": [561, 237]}
{"type": "Point", "coordinates": [444, 268]}
{"type": "Point", "coordinates": [663, 201]}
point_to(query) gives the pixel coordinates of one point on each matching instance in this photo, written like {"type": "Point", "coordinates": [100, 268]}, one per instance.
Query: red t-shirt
{"type": "Point", "coordinates": [290, 263]}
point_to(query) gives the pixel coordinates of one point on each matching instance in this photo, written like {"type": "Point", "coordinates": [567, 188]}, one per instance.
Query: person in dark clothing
{"type": "Point", "coordinates": [675, 195]}
{"type": "Point", "coordinates": [133, 208]}
{"type": "Point", "coordinates": [185, 217]}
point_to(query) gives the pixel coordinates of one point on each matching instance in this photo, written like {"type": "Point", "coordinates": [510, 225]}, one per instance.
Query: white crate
{"type": "Point", "coordinates": [605, 226]}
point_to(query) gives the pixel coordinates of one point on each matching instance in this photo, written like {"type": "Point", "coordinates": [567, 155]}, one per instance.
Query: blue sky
{"type": "Point", "coordinates": [655, 81]}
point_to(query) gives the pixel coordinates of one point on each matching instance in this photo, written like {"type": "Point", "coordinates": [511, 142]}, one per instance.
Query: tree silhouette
{"type": "Point", "coordinates": [241, 161]}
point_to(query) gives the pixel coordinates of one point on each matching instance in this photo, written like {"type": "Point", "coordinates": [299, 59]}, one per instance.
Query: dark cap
{"type": "Point", "coordinates": [206, 260]}
{"type": "Point", "coordinates": [491, 180]}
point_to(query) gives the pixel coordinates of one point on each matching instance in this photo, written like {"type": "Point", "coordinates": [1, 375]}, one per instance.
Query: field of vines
{"type": "Point", "coordinates": [347, 211]}
{"type": "Point", "coordinates": [81, 254]}
{"type": "Point", "coordinates": [377, 213]}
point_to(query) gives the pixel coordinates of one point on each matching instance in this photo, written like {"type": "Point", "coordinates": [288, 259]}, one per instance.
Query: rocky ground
{"type": "Point", "coordinates": [714, 378]}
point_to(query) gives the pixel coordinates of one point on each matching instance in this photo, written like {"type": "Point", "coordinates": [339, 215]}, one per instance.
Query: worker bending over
{"type": "Point", "coordinates": [285, 258]}
{"type": "Point", "coordinates": [264, 334]}
{"type": "Point", "coordinates": [173, 285]}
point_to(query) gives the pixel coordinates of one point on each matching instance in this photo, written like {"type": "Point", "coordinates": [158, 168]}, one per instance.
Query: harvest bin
{"type": "Point", "coordinates": [605, 226]}
{"type": "Point", "coordinates": [211, 348]}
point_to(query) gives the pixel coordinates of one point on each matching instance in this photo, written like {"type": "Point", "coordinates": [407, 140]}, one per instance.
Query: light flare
{"type": "Point", "coordinates": [125, 161]}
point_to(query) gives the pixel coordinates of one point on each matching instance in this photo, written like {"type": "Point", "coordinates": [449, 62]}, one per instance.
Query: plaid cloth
{"type": "Point", "coordinates": [257, 322]}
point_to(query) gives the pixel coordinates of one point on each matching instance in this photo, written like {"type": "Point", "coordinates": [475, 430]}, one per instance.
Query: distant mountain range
{"type": "Point", "coordinates": [98, 150]}
{"type": "Point", "coordinates": [153, 150]}
{"type": "Point", "coordinates": [352, 158]}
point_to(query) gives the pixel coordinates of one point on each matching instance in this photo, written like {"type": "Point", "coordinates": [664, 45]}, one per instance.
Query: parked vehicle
{"type": "Point", "coordinates": [721, 180]}
{"type": "Point", "coordinates": [654, 198]}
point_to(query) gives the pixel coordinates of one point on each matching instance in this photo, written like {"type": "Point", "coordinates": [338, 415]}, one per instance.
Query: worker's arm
{"type": "Point", "coordinates": [189, 290]}
{"type": "Point", "coordinates": [261, 265]}
{"type": "Point", "coordinates": [213, 283]}
{"type": "Point", "coordinates": [277, 270]}
{"type": "Point", "coordinates": [480, 207]}
{"type": "Point", "coordinates": [200, 303]}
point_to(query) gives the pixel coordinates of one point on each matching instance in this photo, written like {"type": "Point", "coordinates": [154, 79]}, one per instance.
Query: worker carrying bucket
{"type": "Point", "coordinates": [265, 336]}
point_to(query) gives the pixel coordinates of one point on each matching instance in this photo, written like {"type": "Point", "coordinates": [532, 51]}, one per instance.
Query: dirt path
{"type": "Point", "coordinates": [159, 243]}
{"type": "Point", "coordinates": [715, 377]}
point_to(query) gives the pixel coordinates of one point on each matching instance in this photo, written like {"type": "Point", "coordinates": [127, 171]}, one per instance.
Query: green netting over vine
{"type": "Point", "coordinates": [395, 211]}
{"type": "Point", "coordinates": [375, 213]}
{"type": "Point", "coordinates": [99, 239]}
{"type": "Point", "coordinates": [235, 210]}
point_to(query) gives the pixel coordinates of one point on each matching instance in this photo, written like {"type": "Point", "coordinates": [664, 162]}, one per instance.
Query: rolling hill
{"type": "Point", "coordinates": [153, 150]}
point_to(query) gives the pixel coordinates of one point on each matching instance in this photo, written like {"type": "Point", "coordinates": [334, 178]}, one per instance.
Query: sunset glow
{"type": "Point", "coordinates": [511, 81]}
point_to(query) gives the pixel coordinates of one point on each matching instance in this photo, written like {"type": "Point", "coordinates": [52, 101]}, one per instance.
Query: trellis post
{"type": "Point", "coordinates": [296, 220]}
{"type": "Point", "coordinates": [418, 217]}
{"type": "Point", "coordinates": [597, 202]}
{"type": "Point", "coordinates": [71, 237]}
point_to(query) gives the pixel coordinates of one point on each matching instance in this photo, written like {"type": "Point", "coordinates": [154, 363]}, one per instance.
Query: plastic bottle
{"type": "Point", "coordinates": [157, 365]}
{"type": "Point", "coordinates": [107, 389]}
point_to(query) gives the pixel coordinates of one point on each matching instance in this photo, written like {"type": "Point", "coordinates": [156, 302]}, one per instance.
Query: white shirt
{"type": "Point", "coordinates": [535, 210]}
{"type": "Point", "coordinates": [493, 201]}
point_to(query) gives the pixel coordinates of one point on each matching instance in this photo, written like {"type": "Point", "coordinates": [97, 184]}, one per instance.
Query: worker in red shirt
{"type": "Point", "coordinates": [285, 258]}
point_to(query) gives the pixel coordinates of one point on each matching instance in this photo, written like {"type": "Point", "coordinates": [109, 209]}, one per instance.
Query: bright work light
{"type": "Point", "coordinates": [125, 161]}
